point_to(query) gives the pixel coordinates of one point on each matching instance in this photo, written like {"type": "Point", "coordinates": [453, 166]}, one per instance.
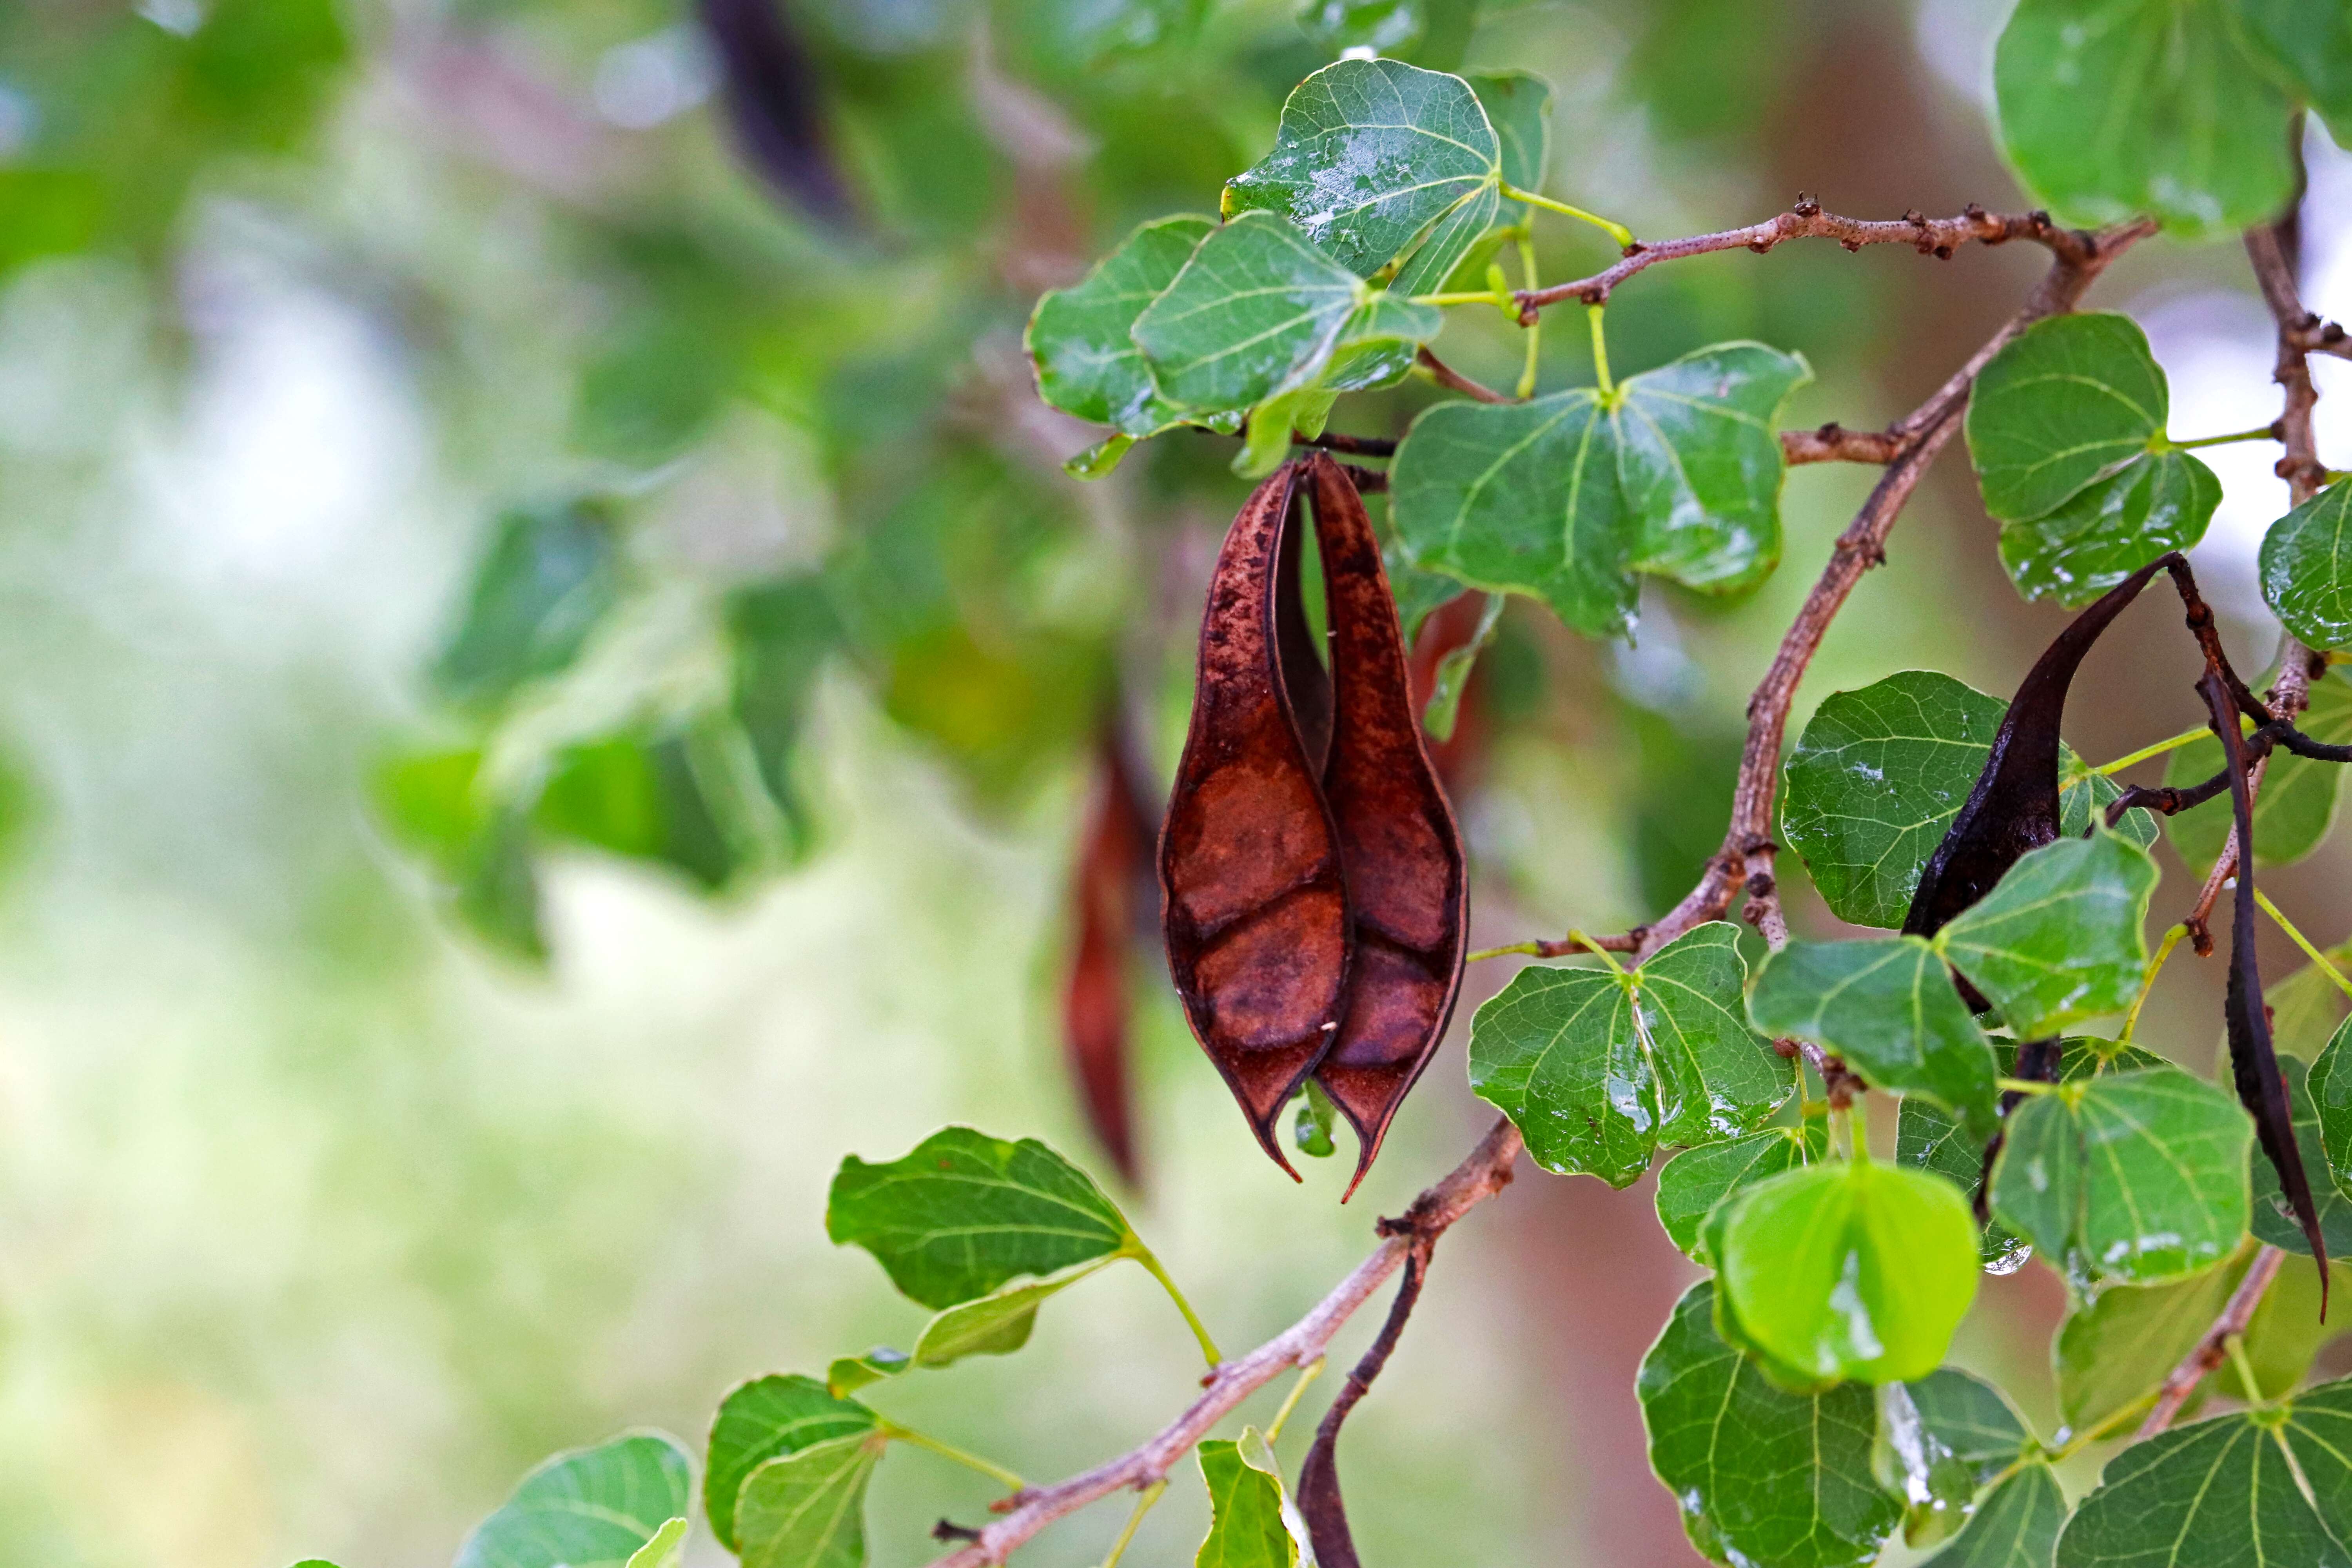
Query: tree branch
{"type": "Point", "coordinates": [2213, 1348]}
{"type": "Point", "coordinates": [2269, 250]}
{"type": "Point", "coordinates": [1445, 375]}
{"type": "Point", "coordinates": [1745, 858]}
{"type": "Point", "coordinates": [1833, 443]}
{"type": "Point", "coordinates": [1930, 236]}
{"type": "Point", "coordinates": [1485, 1173]}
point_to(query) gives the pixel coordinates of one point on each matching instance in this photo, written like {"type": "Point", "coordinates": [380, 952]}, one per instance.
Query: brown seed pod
{"type": "Point", "coordinates": [1111, 887]}
{"type": "Point", "coordinates": [1402, 850]}
{"type": "Point", "coordinates": [1253, 907]}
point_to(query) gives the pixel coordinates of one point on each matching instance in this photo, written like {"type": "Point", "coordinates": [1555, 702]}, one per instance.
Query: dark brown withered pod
{"type": "Point", "coordinates": [1112, 893]}
{"type": "Point", "coordinates": [1252, 900]}
{"type": "Point", "coordinates": [1312, 875]}
{"type": "Point", "coordinates": [1399, 847]}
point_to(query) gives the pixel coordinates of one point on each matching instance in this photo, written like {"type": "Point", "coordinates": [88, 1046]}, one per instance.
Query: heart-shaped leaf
{"type": "Point", "coordinates": [2070, 401]}
{"type": "Point", "coordinates": [2016, 1525]}
{"type": "Point", "coordinates": [765, 1419]}
{"type": "Point", "coordinates": [2306, 568]}
{"type": "Point", "coordinates": [1597, 1070]}
{"type": "Point", "coordinates": [2062, 938]}
{"type": "Point", "coordinates": [2158, 502]}
{"type": "Point", "coordinates": [1080, 340]}
{"type": "Point", "coordinates": [590, 1508]}
{"type": "Point", "coordinates": [807, 1509]}
{"type": "Point", "coordinates": [1692, 1183]}
{"type": "Point", "coordinates": [1256, 312]}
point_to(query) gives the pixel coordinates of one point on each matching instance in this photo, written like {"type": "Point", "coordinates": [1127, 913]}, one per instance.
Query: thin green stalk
{"type": "Point", "coordinates": [2125, 1417]}
{"type": "Point", "coordinates": [2025, 1086]}
{"type": "Point", "coordinates": [1532, 948]}
{"type": "Point", "coordinates": [1527, 387]}
{"type": "Point", "coordinates": [2267, 433]}
{"type": "Point", "coordinates": [2148, 982]}
{"type": "Point", "coordinates": [1616, 231]}
{"type": "Point", "coordinates": [1482, 297]}
{"type": "Point", "coordinates": [1600, 952]}
{"type": "Point", "coordinates": [2302, 942]}
{"type": "Point", "coordinates": [2247, 1382]}
{"type": "Point", "coordinates": [897, 1434]}
{"type": "Point", "coordinates": [1858, 1130]}
{"type": "Point", "coordinates": [1600, 353]}
{"type": "Point", "coordinates": [2169, 743]}
{"type": "Point", "coordinates": [1307, 1374]}
{"type": "Point", "coordinates": [1142, 1505]}
{"type": "Point", "coordinates": [1143, 1255]}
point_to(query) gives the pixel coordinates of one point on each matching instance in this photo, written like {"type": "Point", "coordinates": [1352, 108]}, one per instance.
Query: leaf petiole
{"type": "Point", "coordinates": [1307, 1374]}
{"type": "Point", "coordinates": [1600, 353]}
{"type": "Point", "coordinates": [1531, 949]}
{"type": "Point", "coordinates": [2245, 1370]}
{"type": "Point", "coordinates": [1616, 231]}
{"type": "Point", "coordinates": [1144, 1255]}
{"type": "Point", "coordinates": [2267, 433]}
{"type": "Point", "coordinates": [1526, 238]}
{"type": "Point", "coordinates": [897, 1434]}
{"type": "Point", "coordinates": [2302, 942]}
{"type": "Point", "coordinates": [1600, 952]}
{"type": "Point", "coordinates": [1481, 297]}
{"type": "Point", "coordinates": [2169, 743]}
{"type": "Point", "coordinates": [2025, 1086]}
{"type": "Point", "coordinates": [1150, 1495]}
{"type": "Point", "coordinates": [2147, 980]}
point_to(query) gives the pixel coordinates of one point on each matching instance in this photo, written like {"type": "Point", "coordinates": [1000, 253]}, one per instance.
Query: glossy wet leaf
{"type": "Point", "coordinates": [1079, 338]}
{"type": "Point", "coordinates": [665, 1549]}
{"type": "Point", "coordinates": [2062, 939]}
{"type": "Point", "coordinates": [1941, 1439]}
{"type": "Point", "coordinates": [1889, 1006]}
{"type": "Point", "coordinates": [1246, 1527]}
{"type": "Point", "coordinates": [1596, 1072]}
{"type": "Point", "coordinates": [807, 1509]}
{"type": "Point", "coordinates": [1518, 106]}
{"type": "Point", "coordinates": [1694, 1182]}
{"type": "Point", "coordinates": [1762, 1475]}
{"type": "Point", "coordinates": [2015, 1526]}
{"type": "Point", "coordinates": [2306, 568]}
{"type": "Point", "coordinates": [2223, 1491]}
{"type": "Point", "coordinates": [1256, 312]}
{"type": "Point", "coordinates": [1368, 155]}
{"type": "Point", "coordinates": [590, 1508]}
{"type": "Point", "coordinates": [1563, 498]}
{"type": "Point", "coordinates": [549, 578]}
{"type": "Point", "coordinates": [964, 1213]}
{"type": "Point", "coordinates": [2274, 1221]}
{"type": "Point", "coordinates": [2159, 501]}
{"type": "Point", "coordinates": [2188, 125]}
{"type": "Point", "coordinates": [2128, 1176]}
{"type": "Point", "coordinates": [1877, 776]}
{"type": "Point", "coordinates": [2296, 808]}
{"type": "Point", "coordinates": [767, 1419]}
{"type": "Point", "coordinates": [1379, 343]}
{"type": "Point", "coordinates": [1849, 1269]}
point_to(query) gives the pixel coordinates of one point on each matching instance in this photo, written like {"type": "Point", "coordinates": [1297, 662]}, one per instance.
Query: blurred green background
{"type": "Point", "coordinates": [549, 684]}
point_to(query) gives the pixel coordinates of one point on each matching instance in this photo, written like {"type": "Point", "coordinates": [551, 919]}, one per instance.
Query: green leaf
{"type": "Point", "coordinates": [1451, 238]}
{"type": "Point", "coordinates": [1384, 26]}
{"type": "Point", "coordinates": [1889, 1006]}
{"type": "Point", "coordinates": [2284, 1337]}
{"type": "Point", "coordinates": [2115, 1347]}
{"type": "Point", "coordinates": [2159, 501]}
{"type": "Point", "coordinates": [1078, 339]}
{"type": "Point", "coordinates": [2329, 1086]}
{"type": "Point", "coordinates": [665, 1549]}
{"type": "Point", "coordinates": [849, 1373]}
{"type": "Point", "coordinates": [2306, 568]}
{"type": "Point", "coordinates": [1256, 312]}
{"type": "Point", "coordinates": [2224, 1492]}
{"type": "Point", "coordinates": [1378, 345]}
{"type": "Point", "coordinates": [1878, 774]}
{"type": "Point", "coordinates": [2111, 108]}
{"type": "Point", "coordinates": [2274, 1221]}
{"type": "Point", "coordinates": [965, 1212]}
{"type": "Point", "coordinates": [2297, 808]}
{"type": "Point", "coordinates": [1763, 1476]}
{"type": "Point", "coordinates": [1597, 1071]}
{"type": "Point", "coordinates": [765, 1419]}
{"type": "Point", "coordinates": [2016, 1526]}
{"type": "Point", "coordinates": [808, 1510]}
{"type": "Point", "coordinates": [2061, 940]}
{"type": "Point", "coordinates": [1941, 1439]}
{"type": "Point", "coordinates": [1849, 1269]}
{"type": "Point", "coordinates": [551, 573]}
{"type": "Point", "coordinates": [646, 796]}
{"type": "Point", "coordinates": [2070, 400]}
{"type": "Point", "coordinates": [1677, 472]}
{"type": "Point", "coordinates": [2307, 1006]}
{"type": "Point", "coordinates": [783, 632]}
{"type": "Point", "coordinates": [1694, 1182]}
{"type": "Point", "coordinates": [997, 1323]}
{"type": "Point", "coordinates": [1246, 1529]}
{"type": "Point", "coordinates": [2311, 41]}
{"type": "Point", "coordinates": [1518, 106]}
{"type": "Point", "coordinates": [1316, 1119]}
{"type": "Point", "coordinates": [442, 805]}
{"type": "Point", "coordinates": [1370, 154]}
{"type": "Point", "coordinates": [1418, 593]}
{"type": "Point", "coordinates": [589, 1508]}
{"type": "Point", "coordinates": [2130, 1177]}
